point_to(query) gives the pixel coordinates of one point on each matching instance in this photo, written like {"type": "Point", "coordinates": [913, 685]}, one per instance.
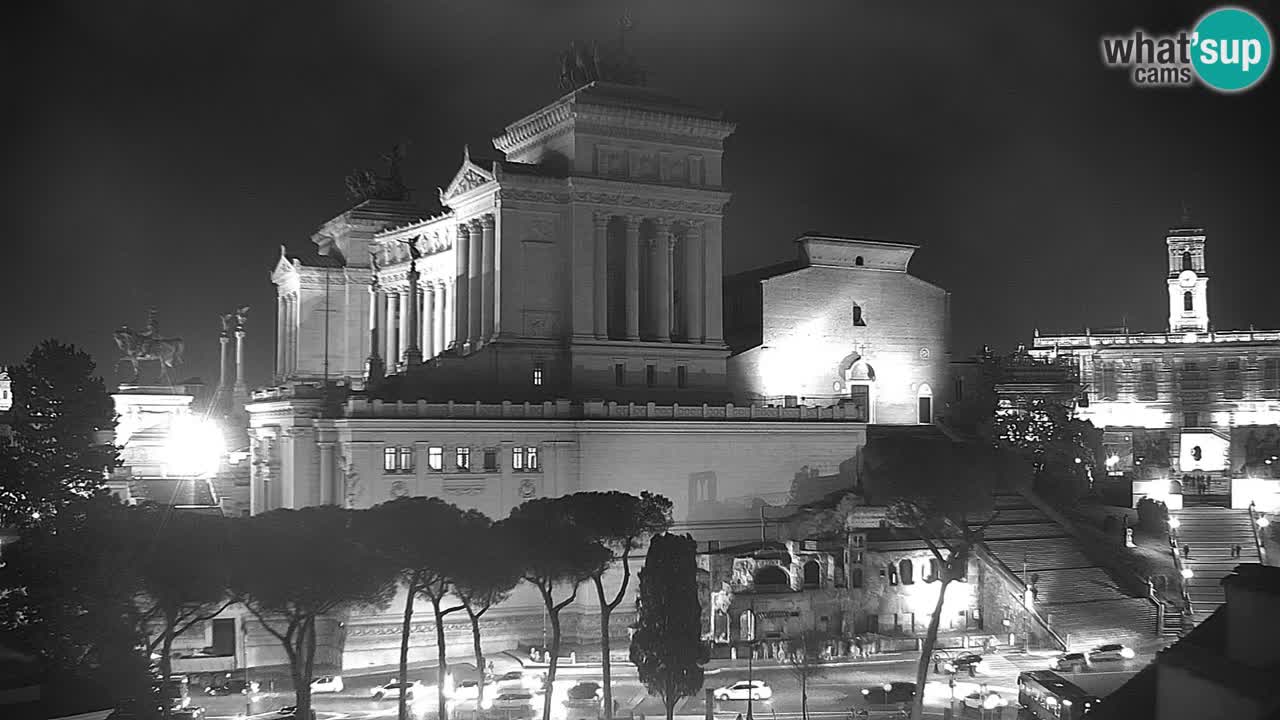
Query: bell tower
{"type": "Point", "coordinates": [1188, 282]}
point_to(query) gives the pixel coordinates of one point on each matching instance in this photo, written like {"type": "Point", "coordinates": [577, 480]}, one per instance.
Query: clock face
{"type": "Point", "coordinates": [1187, 278]}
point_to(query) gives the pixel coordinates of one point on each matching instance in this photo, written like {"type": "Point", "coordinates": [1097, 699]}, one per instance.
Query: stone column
{"type": "Point", "coordinates": [282, 310]}
{"type": "Point", "coordinates": [461, 296]}
{"type": "Point", "coordinates": [393, 329]}
{"type": "Point", "coordinates": [693, 292]}
{"type": "Point", "coordinates": [713, 323]}
{"type": "Point", "coordinates": [443, 319]}
{"type": "Point", "coordinates": [633, 277]}
{"type": "Point", "coordinates": [429, 345]}
{"type": "Point", "coordinates": [327, 490]}
{"type": "Point", "coordinates": [223, 364]}
{"type": "Point", "coordinates": [291, 334]}
{"type": "Point", "coordinates": [488, 269]}
{"type": "Point", "coordinates": [661, 267]}
{"type": "Point", "coordinates": [412, 322]}
{"type": "Point", "coordinates": [475, 286]}
{"type": "Point", "coordinates": [600, 282]}
{"type": "Point", "coordinates": [241, 390]}
{"type": "Point", "coordinates": [374, 369]}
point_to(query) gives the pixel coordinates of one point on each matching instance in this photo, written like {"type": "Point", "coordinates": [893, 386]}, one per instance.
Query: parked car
{"type": "Point", "coordinates": [1112, 652]}
{"type": "Point", "coordinates": [233, 686]}
{"type": "Point", "coordinates": [392, 690]}
{"type": "Point", "coordinates": [513, 701]}
{"type": "Point", "coordinates": [515, 677]}
{"type": "Point", "coordinates": [466, 690]}
{"type": "Point", "coordinates": [1070, 662]}
{"type": "Point", "coordinates": [744, 690]}
{"type": "Point", "coordinates": [327, 684]}
{"type": "Point", "coordinates": [587, 690]}
{"type": "Point", "coordinates": [291, 711]}
{"type": "Point", "coordinates": [892, 693]}
{"type": "Point", "coordinates": [984, 701]}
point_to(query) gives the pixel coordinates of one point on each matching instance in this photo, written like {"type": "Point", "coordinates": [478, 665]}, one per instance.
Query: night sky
{"type": "Point", "coordinates": [160, 152]}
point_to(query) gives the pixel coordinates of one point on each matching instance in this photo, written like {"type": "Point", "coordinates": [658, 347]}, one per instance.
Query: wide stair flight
{"type": "Point", "coordinates": [1211, 532]}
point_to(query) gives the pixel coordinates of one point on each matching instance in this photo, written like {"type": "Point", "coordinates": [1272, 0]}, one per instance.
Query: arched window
{"type": "Point", "coordinates": [1188, 303]}
{"type": "Point", "coordinates": [893, 575]}
{"type": "Point", "coordinates": [1186, 260]}
{"type": "Point", "coordinates": [907, 571]}
{"type": "Point", "coordinates": [855, 578]}
{"type": "Point", "coordinates": [858, 261]}
{"type": "Point", "coordinates": [772, 576]}
{"type": "Point", "coordinates": [934, 571]}
{"type": "Point", "coordinates": [857, 316]}
{"type": "Point", "coordinates": [812, 574]}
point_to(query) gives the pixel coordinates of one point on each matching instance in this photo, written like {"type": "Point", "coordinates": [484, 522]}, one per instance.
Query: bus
{"type": "Point", "coordinates": [1046, 695]}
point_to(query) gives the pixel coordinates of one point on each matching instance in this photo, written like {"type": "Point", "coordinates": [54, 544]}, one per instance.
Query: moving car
{"type": "Point", "coordinates": [587, 690]}
{"type": "Point", "coordinates": [191, 712]}
{"type": "Point", "coordinates": [1070, 662]}
{"type": "Point", "coordinates": [965, 663]}
{"type": "Point", "coordinates": [744, 690]}
{"type": "Point", "coordinates": [1113, 652]}
{"type": "Point", "coordinates": [327, 684]}
{"type": "Point", "coordinates": [892, 693]}
{"type": "Point", "coordinates": [984, 701]}
{"type": "Point", "coordinates": [232, 686]}
{"type": "Point", "coordinates": [291, 711]}
{"type": "Point", "coordinates": [392, 690]}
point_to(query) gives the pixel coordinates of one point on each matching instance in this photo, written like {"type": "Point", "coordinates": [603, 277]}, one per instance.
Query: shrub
{"type": "Point", "coordinates": [1153, 515]}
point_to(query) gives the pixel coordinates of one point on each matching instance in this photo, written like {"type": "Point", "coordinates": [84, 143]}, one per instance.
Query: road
{"type": "Point", "coordinates": [831, 694]}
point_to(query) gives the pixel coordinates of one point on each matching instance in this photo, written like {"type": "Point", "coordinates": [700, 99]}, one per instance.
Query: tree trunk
{"type": "Point", "coordinates": [926, 650]}
{"type": "Point", "coordinates": [308, 669]}
{"type": "Point", "coordinates": [804, 695]}
{"type": "Point", "coordinates": [442, 671]}
{"type": "Point", "coordinates": [669, 698]}
{"type": "Point", "coordinates": [606, 668]}
{"type": "Point", "coordinates": [475, 644]}
{"type": "Point", "coordinates": [405, 629]}
{"type": "Point", "coordinates": [554, 614]}
{"type": "Point", "coordinates": [166, 661]}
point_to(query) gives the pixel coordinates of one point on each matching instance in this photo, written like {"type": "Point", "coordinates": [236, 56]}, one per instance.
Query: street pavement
{"type": "Point", "coordinates": [832, 694]}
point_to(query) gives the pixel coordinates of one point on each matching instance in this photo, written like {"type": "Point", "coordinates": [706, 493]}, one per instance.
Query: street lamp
{"type": "Point", "coordinates": [1187, 574]}
{"type": "Point", "coordinates": [1174, 523]}
{"type": "Point", "coordinates": [1263, 521]}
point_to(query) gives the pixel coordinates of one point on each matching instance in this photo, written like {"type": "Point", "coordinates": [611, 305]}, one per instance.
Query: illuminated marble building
{"type": "Point", "coordinates": [1193, 400]}
{"type": "Point", "coordinates": [558, 326]}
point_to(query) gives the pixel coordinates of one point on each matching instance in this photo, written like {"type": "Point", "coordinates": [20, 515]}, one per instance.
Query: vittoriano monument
{"type": "Point", "coordinates": [137, 347]}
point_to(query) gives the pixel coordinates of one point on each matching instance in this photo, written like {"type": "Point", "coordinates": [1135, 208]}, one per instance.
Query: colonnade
{"type": "Point", "coordinates": [432, 311]}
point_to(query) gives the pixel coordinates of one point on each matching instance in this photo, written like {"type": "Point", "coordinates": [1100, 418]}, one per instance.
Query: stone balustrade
{"type": "Point", "coordinates": [594, 410]}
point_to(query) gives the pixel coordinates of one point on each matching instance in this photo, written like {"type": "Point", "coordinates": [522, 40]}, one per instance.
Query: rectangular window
{"type": "Point", "coordinates": [650, 375]}
{"type": "Point", "coordinates": [435, 458]}
{"type": "Point", "coordinates": [537, 373]}
{"type": "Point", "coordinates": [1108, 381]}
{"type": "Point", "coordinates": [959, 389]}
{"type": "Point", "coordinates": [1271, 374]}
{"type": "Point", "coordinates": [1147, 387]}
{"type": "Point", "coordinates": [462, 458]}
{"type": "Point", "coordinates": [531, 458]}
{"type": "Point", "coordinates": [490, 459]}
{"type": "Point", "coordinates": [682, 376]}
{"type": "Point", "coordinates": [389, 460]}
{"type": "Point", "coordinates": [619, 374]}
{"type": "Point", "coordinates": [1232, 388]}
{"type": "Point", "coordinates": [925, 410]}
{"type": "Point", "coordinates": [406, 460]}
{"type": "Point", "coordinates": [1190, 419]}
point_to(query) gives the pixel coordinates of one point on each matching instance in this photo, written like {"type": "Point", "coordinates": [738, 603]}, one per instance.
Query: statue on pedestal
{"type": "Point", "coordinates": [136, 347]}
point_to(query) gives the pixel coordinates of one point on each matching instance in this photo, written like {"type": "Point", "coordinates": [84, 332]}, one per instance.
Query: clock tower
{"type": "Point", "coordinates": [1187, 281]}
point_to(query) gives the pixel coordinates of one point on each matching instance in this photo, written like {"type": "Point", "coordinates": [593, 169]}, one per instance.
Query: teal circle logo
{"type": "Point", "coordinates": [1231, 49]}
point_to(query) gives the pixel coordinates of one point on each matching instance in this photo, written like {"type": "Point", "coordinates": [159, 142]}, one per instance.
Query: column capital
{"type": "Point", "coordinates": [487, 221]}
{"type": "Point", "coordinates": [633, 222]}
{"type": "Point", "coordinates": [662, 224]}
{"type": "Point", "coordinates": [601, 219]}
{"type": "Point", "coordinates": [464, 229]}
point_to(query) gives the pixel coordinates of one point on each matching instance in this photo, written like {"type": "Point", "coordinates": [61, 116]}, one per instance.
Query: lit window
{"type": "Point", "coordinates": [462, 458]}
{"type": "Point", "coordinates": [490, 459]}
{"type": "Point", "coordinates": [389, 459]}
{"type": "Point", "coordinates": [537, 373]}
{"type": "Point", "coordinates": [435, 458]}
{"type": "Point", "coordinates": [682, 376]}
{"type": "Point", "coordinates": [524, 459]}
{"type": "Point", "coordinates": [406, 460]}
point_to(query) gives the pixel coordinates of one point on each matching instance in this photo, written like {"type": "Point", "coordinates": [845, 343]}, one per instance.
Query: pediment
{"type": "Point", "coordinates": [284, 268]}
{"type": "Point", "coordinates": [469, 177]}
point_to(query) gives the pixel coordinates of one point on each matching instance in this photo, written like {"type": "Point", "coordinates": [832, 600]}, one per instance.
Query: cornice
{"type": "Point", "coordinates": [526, 129]}
{"type": "Point", "coordinates": [683, 126]}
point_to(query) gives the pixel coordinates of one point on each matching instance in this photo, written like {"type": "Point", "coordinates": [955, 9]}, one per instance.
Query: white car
{"type": "Point", "coordinates": [1103, 653]}
{"type": "Point", "coordinates": [513, 701]}
{"type": "Point", "coordinates": [744, 690]}
{"type": "Point", "coordinates": [466, 690]}
{"type": "Point", "coordinates": [392, 690]}
{"type": "Point", "coordinates": [987, 701]}
{"type": "Point", "coordinates": [327, 684]}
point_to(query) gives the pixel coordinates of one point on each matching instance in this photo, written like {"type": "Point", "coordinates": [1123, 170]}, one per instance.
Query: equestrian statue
{"type": "Point", "coordinates": [137, 347]}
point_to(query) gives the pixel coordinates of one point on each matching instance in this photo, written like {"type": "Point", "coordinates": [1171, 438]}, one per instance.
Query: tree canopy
{"type": "Point", "coordinates": [667, 647]}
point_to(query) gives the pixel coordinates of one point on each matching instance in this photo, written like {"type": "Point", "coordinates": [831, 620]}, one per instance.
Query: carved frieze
{"type": "Point", "coordinates": [464, 487]}
{"type": "Point", "coordinates": [651, 203]}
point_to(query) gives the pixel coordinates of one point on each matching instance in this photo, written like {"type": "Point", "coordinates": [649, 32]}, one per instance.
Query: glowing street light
{"type": "Point", "coordinates": [194, 446]}
{"type": "Point", "coordinates": [1175, 523]}
{"type": "Point", "coordinates": [1263, 521]}
{"type": "Point", "coordinates": [1187, 574]}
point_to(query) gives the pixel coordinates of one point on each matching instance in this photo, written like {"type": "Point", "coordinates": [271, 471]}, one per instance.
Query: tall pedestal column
{"type": "Point", "coordinates": [633, 277]}
{"type": "Point", "coordinates": [393, 329]}
{"type": "Point", "coordinates": [661, 267]}
{"type": "Point", "coordinates": [488, 269]}
{"type": "Point", "coordinates": [475, 286]}
{"type": "Point", "coordinates": [412, 322]}
{"type": "Point", "coordinates": [693, 292]}
{"type": "Point", "coordinates": [224, 362]}
{"type": "Point", "coordinates": [461, 296]}
{"type": "Point", "coordinates": [600, 281]}
{"type": "Point", "coordinates": [241, 391]}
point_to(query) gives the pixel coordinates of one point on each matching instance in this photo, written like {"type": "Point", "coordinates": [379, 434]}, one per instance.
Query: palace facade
{"type": "Point", "coordinates": [1191, 402]}
{"type": "Point", "coordinates": [560, 326]}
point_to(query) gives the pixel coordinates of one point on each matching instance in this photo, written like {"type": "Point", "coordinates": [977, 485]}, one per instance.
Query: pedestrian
{"type": "Point", "coordinates": [1186, 551]}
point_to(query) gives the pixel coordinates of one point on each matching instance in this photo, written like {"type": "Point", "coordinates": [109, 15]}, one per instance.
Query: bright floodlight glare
{"type": "Point", "coordinates": [1263, 522]}
{"type": "Point", "coordinates": [1175, 523]}
{"type": "Point", "coordinates": [1187, 574]}
{"type": "Point", "coordinates": [194, 446]}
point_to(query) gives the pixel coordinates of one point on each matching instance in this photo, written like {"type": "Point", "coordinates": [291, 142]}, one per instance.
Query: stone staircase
{"type": "Point", "coordinates": [1218, 492]}
{"type": "Point", "coordinates": [1080, 600]}
{"type": "Point", "coordinates": [1212, 532]}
